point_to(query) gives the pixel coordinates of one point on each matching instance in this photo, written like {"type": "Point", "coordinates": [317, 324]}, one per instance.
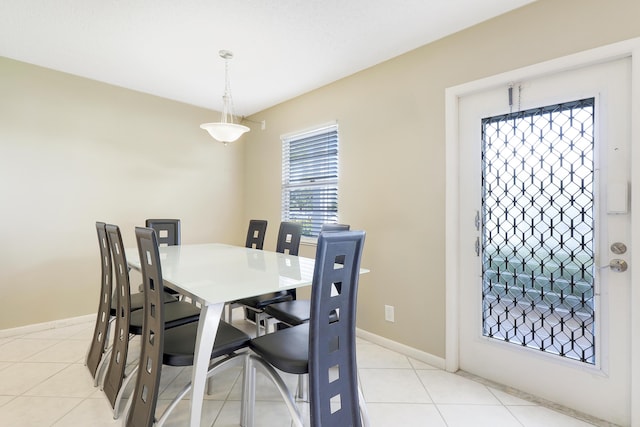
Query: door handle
{"type": "Point", "coordinates": [618, 265]}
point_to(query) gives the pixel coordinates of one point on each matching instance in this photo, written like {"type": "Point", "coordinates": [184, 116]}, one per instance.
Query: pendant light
{"type": "Point", "coordinates": [225, 131]}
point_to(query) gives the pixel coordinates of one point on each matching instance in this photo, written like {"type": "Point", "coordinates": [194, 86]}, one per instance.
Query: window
{"type": "Point", "coordinates": [310, 178]}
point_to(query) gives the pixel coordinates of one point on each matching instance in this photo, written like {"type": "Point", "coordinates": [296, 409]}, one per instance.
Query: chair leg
{"type": "Point", "coordinates": [214, 368]}
{"type": "Point", "coordinates": [262, 318]}
{"type": "Point", "coordinates": [247, 403]}
{"type": "Point", "coordinates": [269, 371]}
{"type": "Point", "coordinates": [364, 414]}
{"type": "Point", "coordinates": [120, 395]}
{"type": "Point", "coordinates": [229, 312]}
{"type": "Point", "coordinates": [273, 324]}
{"type": "Point", "coordinates": [101, 372]}
{"type": "Point", "coordinates": [125, 413]}
{"type": "Point", "coordinates": [163, 418]}
{"type": "Point", "coordinates": [105, 347]}
{"type": "Point", "coordinates": [258, 321]}
{"type": "Point", "coordinates": [270, 324]}
{"type": "Point", "coordinates": [303, 388]}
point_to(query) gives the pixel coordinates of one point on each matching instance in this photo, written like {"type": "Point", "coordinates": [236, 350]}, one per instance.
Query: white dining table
{"type": "Point", "coordinates": [212, 274]}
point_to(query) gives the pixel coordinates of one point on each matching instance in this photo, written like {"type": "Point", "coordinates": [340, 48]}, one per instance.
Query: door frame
{"type": "Point", "coordinates": [628, 48]}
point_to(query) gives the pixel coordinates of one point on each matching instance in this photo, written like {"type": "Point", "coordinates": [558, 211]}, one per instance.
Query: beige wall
{"type": "Point", "coordinates": [392, 150]}
{"type": "Point", "coordinates": [74, 151]}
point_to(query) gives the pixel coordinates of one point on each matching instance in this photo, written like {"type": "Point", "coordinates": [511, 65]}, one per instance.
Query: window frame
{"type": "Point", "coordinates": [320, 177]}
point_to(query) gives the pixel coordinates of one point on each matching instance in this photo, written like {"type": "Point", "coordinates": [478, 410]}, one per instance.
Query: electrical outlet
{"type": "Point", "coordinates": [389, 314]}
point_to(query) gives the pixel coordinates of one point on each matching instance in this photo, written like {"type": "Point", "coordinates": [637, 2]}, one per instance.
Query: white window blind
{"type": "Point", "coordinates": [310, 178]}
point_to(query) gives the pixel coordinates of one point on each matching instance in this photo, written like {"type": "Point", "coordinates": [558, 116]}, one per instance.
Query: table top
{"type": "Point", "coordinates": [215, 273]}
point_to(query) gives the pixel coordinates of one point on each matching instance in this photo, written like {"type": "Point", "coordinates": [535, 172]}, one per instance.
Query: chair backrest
{"type": "Point", "coordinates": [289, 236]}
{"type": "Point", "coordinates": [104, 306]}
{"type": "Point", "coordinates": [255, 233]}
{"type": "Point", "coordinates": [332, 341]}
{"type": "Point", "coordinates": [145, 397]}
{"type": "Point", "coordinates": [167, 230]}
{"type": "Point", "coordinates": [115, 373]}
{"type": "Point", "coordinates": [329, 228]}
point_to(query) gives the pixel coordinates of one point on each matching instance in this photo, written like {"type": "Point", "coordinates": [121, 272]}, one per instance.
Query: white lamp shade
{"type": "Point", "coordinates": [224, 132]}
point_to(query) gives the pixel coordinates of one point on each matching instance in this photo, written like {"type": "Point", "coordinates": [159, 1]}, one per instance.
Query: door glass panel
{"type": "Point", "coordinates": [538, 229]}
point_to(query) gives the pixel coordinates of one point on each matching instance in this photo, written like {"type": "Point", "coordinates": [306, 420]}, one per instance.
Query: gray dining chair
{"type": "Point", "coordinates": [298, 311]}
{"type": "Point", "coordinates": [324, 348]}
{"type": "Point", "coordinates": [289, 236]}
{"type": "Point", "coordinates": [98, 355]}
{"type": "Point", "coordinates": [172, 347]}
{"type": "Point", "coordinates": [130, 323]}
{"type": "Point", "coordinates": [169, 234]}
{"type": "Point", "coordinates": [104, 316]}
{"type": "Point", "coordinates": [256, 233]}
{"type": "Point", "coordinates": [167, 230]}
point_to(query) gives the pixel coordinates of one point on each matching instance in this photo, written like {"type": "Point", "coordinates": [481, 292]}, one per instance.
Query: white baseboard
{"type": "Point", "coordinates": [37, 327]}
{"type": "Point", "coordinates": [428, 358]}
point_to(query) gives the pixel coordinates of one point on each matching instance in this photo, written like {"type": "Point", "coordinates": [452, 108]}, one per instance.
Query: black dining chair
{"type": "Point", "coordinates": [298, 311]}
{"type": "Point", "coordinates": [107, 310]}
{"type": "Point", "coordinates": [289, 236]}
{"type": "Point", "coordinates": [167, 230]}
{"type": "Point", "coordinates": [255, 240]}
{"type": "Point", "coordinates": [130, 323]}
{"type": "Point", "coordinates": [324, 348]}
{"type": "Point", "coordinates": [99, 341]}
{"type": "Point", "coordinates": [256, 233]}
{"type": "Point", "coordinates": [173, 347]}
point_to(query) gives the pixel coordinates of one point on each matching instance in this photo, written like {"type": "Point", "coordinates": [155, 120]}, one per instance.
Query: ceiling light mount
{"type": "Point", "coordinates": [225, 54]}
{"type": "Point", "coordinates": [225, 130]}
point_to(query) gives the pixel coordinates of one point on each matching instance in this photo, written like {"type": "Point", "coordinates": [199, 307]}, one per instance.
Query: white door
{"type": "Point", "coordinates": [543, 210]}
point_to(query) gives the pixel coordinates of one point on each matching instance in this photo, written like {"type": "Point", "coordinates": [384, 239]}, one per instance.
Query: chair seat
{"type": "Point", "coordinates": [180, 343]}
{"type": "Point", "coordinates": [287, 349]}
{"type": "Point", "coordinates": [293, 313]}
{"type": "Point", "coordinates": [259, 302]}
{"type": "Point", "coordinates": [175, 314]}
{"type": "Point", "coordinates": [137, 301]}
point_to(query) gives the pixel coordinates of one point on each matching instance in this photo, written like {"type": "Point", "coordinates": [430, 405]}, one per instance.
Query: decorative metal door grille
{"type": "Point", "coordinates": [537, 229]}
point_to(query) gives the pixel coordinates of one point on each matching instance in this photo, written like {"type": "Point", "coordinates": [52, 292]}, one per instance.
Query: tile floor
{"type": "Point", "coordinates": [43, 382]}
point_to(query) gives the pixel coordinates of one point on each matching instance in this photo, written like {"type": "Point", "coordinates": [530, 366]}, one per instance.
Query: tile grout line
{"type": "Point", "coordinates": [433, 402]}
{"type": "Point", "coordinates": [537, 401]}
{"type": "Point", "coordinates": [504, 405]}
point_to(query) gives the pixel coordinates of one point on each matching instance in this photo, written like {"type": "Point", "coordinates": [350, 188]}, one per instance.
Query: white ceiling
{"type": "Point", "coordinates": [283, 48]}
